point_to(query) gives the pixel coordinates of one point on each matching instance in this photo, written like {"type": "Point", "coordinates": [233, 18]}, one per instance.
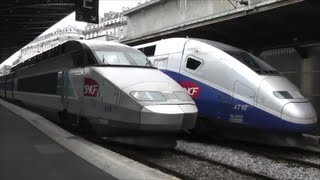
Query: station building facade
{"type": "Point", "coordinates": [5, 69]}
{"type": "Point", "coordinates": [50, 40]}
{"type": "Point", "coordinates": [112, 27]}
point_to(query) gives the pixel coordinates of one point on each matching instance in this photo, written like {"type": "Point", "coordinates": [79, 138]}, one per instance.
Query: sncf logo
{"type": "Point", "coordinates": [91, 87]}
{"type": "Point", "coordinates": [192, 88]}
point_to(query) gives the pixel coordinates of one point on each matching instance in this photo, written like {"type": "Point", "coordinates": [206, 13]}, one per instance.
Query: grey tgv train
{"type": "Point", "coordinates": [231, 87]}
{"type": "Point", "coordinates": [108, 86]}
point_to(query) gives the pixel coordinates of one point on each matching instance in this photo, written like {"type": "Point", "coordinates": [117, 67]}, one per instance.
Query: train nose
{"type": "Point", "coordinates": [170, 117]}
{"type": "Point", "coordinates": [301, 113]}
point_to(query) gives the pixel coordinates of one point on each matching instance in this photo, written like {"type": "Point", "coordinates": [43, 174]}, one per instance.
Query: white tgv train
{"type": "Point", "coordinates": [231, 87]}
{"type": "Point", "coordinates": [108, 86]}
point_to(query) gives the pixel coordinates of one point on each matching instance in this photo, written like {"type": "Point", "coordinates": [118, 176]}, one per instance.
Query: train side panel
{"type": "Point", "coordinates": [40, 83]}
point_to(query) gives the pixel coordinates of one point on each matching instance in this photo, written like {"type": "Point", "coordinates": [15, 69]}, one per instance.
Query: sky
{"type": "Point", "coordinates": [104, 6]}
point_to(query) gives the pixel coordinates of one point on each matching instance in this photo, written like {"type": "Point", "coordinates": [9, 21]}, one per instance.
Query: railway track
{"type": "Point", "coordinates": [175, 162]}
{"type": "Point", "coordinates": [289, 159]}
{"type": "Point", "coordinates": [187, 166]}
{"type": "Point", "coordinates": [277, 163]}
{"type": "Point", "coordinates": [233, 168]}
{"type": "Point", "coordinates": [178, 163]}
{"type": "Point", "coordinates": [305, 156]}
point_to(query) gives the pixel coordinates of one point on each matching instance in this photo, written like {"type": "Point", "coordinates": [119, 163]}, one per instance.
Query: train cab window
{"type": "Point", "coordinates": [122, 56]}
{"type": "Point", "coordinates": [253, 62]}
{"type": "Point", "coordinates": [139, 58]}
{"type": "Point", "coordinates": [148, 51]}
{"type": "Point", "coordinates": [282, 94]}
{"type": "Point", "coordinates": [192, 63]}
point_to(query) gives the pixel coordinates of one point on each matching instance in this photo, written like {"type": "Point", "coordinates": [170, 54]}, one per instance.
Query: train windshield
{"type": "Point", "coordinates": [253, 62]}
{"type": "Point", "coordinates": [121, 56]}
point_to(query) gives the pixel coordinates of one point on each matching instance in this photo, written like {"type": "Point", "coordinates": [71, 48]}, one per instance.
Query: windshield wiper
{"type": "Point", "coordinates": [148, 63]}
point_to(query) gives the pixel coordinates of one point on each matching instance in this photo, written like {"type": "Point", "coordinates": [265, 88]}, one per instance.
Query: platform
{"type": "Point", "coordinates": [34, 148]}
{"type": "Point", "coordinates": [27, 153]}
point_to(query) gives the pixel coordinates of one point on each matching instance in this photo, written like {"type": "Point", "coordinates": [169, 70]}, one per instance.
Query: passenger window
{"type": "Point", "coordinates": [43, 84]}
{"type": "Point", "coordinates": [192, 63]}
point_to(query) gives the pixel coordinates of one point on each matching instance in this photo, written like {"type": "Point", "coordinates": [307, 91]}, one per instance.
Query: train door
{"type": "Point", "coordinates": [75, 89]}
{"type": "Point", "coordinates": [61, 89]}
{"type": "Point", "coordinates": [71, 83]}
{"type": "Point", "coordinates": [243, 99]}
{"type": "Point", "coordinates": [244, 91]}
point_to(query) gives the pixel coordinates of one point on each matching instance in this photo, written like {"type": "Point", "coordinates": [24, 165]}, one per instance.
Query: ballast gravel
{"type": "Point", "coordinates": [244, 160]}
{"type": "Point", "coordinates": [307, 156]}
{"type": "Point", "coordinates": [193, 169]}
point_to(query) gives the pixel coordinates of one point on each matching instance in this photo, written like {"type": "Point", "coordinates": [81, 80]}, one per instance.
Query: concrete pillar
{"type": "Point", "coordinates": [306, 78]}
{"type": "Point", "coordinates": [1, 56]}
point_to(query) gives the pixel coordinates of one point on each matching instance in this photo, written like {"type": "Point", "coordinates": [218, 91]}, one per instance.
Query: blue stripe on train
{"type": "Point", "coordinates": [214, 104]}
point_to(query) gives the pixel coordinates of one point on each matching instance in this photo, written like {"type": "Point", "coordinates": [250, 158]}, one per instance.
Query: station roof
{"type": "Point", "coordinates": [142, 6]}
{"type": "Point", "coordinates": [288, 23]}
{"type": "Point", "coordinates": [21, 21]}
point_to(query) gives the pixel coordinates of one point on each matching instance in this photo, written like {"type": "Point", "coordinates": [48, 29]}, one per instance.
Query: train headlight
{"type": "Point", "coordinates": [148, 96]}
{"type": "Point", "coordinates": [183, 96]}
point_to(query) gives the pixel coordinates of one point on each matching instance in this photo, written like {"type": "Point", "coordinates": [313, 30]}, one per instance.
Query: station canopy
{"type": "Point", "coordinates": [21, 21]}
{"type": "Point", "coordinates": [285, 23]}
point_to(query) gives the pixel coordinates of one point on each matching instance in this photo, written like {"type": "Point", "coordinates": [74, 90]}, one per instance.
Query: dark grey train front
{"type": "Point", "coordinates": [110, 86]}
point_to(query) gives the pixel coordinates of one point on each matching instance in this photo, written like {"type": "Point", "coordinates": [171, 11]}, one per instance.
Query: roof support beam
{"type": "Point", "coordinates": [34, 15]}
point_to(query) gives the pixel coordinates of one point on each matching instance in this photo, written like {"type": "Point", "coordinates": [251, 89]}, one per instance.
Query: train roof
{"type": "Point", "coordinates": [100, 43]}
{"type": "Point", "coordinates": [219, 45]}
{"type": "Point", "coordinates": [66, 47]}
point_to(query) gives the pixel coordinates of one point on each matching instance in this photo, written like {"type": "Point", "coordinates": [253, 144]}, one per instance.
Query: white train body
{"type": "Point", "coordinates": [232, 86]}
